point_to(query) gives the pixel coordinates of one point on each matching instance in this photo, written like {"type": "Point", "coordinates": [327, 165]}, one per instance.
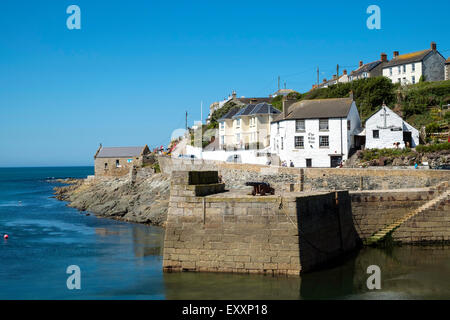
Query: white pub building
{"type": "Point", "coordinates": [315, 133]}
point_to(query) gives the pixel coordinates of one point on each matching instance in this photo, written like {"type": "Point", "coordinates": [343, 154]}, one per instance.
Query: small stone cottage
{"type": "Point", "coordinates": [117, 161]}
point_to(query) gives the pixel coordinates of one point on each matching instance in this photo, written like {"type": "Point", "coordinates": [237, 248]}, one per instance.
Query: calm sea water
{"type": "Point", "coordinates": [124, 261]}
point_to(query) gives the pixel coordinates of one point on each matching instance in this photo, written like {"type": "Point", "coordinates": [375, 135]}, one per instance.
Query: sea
{"type": "Point", "coordinates": [59, 253]}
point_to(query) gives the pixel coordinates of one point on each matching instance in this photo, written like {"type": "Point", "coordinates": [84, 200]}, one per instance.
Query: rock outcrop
{"type": "Point", "coordinates": [143, 201]}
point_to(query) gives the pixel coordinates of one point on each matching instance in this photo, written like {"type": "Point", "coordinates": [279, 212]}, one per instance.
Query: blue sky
{"type": "Point", "coordinates": [128, 76]}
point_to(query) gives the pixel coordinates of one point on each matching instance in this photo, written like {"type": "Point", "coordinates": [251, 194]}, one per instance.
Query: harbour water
{"type": "Point", "coordinates": [120, 260]}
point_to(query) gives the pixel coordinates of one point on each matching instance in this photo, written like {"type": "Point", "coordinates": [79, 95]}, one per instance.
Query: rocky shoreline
{"type": "Point", "coordinates": [144, 201]}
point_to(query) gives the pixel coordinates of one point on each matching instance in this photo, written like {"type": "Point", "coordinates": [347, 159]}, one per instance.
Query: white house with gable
{"type": "Point", "coordinates": [386, 129]}
{"type": "Point", "coordinates": [315, 133]}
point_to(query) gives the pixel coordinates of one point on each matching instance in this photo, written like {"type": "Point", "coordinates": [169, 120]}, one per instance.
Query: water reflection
{"type": "Point", "coordinates": [407, 272]}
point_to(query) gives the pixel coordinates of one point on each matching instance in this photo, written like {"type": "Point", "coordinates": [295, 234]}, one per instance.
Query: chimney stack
{"type": "Point", "coordinates": [345, 72]}
{"type": "Point", "coordinates": [234, 94]}
{"type": "Point", "coordinates": [396, 53]}
{"type": "Point", "coordinates": [360, 63]}
{"type": "Point", "coordinates": [287, 102]}
{"type": "Point", "coordinates": [324, 80]}
{"type": "Point", "coordinates": [384, 57]}
{"type": "Point", "coordinates": [334, 76]}
{"type": "Point", "coordinates": [433, 46]}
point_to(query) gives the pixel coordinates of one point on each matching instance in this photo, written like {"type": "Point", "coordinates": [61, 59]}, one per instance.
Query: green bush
{"type": "Point", "coordinates": [372, 154]}
{"type": "Point", "coordinates": [432, 128]}
{"type": "Point", "coordinates": [433, 147]}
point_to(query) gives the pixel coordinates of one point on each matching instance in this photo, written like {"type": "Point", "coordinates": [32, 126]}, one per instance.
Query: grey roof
{"type": "Point", "coordinates": [245, 111]}
{"type": "Point", "coordinates": [254, 109]}
{"type": "Point", "coordinates": [408, 58]}
{"type": "Point", "coordinates": [254, 100]}
{"type": "Point", "coordinates": [230, 114]}
{"type": "Point", "coordinates": [366, 68]}
{"type": "Point", "coordinates": [264, 108]}
{"type": "Point", "coordinates": [316, 109]}
{"type": "Point", "coordinates": [120, 152]}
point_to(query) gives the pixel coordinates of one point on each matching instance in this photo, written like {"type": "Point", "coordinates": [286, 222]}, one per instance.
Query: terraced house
{"type": "Point", "coordinates": [409, 68]}
{"type": "Point", "coordinates": [247, 128]}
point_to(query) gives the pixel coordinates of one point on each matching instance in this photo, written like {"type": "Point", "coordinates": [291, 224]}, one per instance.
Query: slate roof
{"type": "Point", "coordinates": [316, 109]}
{"type": "Point", "coordinates": [120, 152]}
{"type": "Point", "coordinates": [264, 108]}
{"type": "Point", "coordinates": [366, 68]}
{"type": "Point", "coordinates": [230, 114]}
{"type": "Point", "coordinates": [408, 58]}
{"type": "Point", "coordinates": [254, 100]}
{"type": "Point", "coordinates": [254, 109]}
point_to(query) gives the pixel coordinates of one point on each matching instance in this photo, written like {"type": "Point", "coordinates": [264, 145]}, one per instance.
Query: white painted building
{"type": "Point", "coordinates": [386, 129]}
{"type": "Point", "coordinates": [408, 68]}
{"type": "Point", "coordinates": [315, 133]}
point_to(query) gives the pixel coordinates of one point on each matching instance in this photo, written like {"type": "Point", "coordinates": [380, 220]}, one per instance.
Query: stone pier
{"type": "Point", "coordinates": [213, 230]}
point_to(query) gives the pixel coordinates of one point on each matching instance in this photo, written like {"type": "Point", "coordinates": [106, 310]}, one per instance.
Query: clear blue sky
{"type": "Point", "coordinates": [129, 74]}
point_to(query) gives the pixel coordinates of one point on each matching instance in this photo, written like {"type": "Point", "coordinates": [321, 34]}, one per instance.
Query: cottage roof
{"type": "Point", "coordinates": [245, 111]}
{"type": "Point", "coordinates": [120, 152]}
{"type": "Point", "coordinates": [409, 58]}
{"type": "Point", "coordinates": [319, 108]}
{"type": "Point", "coordinates": [254, 100]}
{"type": "Point", "coordinates": [448, 61]}
{"type": "Point", "coordinates": [366, 68]}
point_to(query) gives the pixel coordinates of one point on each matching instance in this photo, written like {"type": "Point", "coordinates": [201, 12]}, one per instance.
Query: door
{"type": "Point", "coordinates": [407, 139]}
{"type": "Point", "coordinates": [308, 163]}
{"type": "Point", "coordinates": [335, 161]}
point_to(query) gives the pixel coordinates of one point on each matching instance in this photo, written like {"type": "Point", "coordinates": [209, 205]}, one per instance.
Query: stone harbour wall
{"type": "Point", "coordinates": [235, 175]}
{"type": "Point", "coordinates": [215, 231]}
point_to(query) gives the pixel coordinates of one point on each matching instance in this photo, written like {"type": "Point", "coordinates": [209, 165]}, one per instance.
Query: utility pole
{"type": "Point", "coordinates": [337, 71]}
{"type": "Point", "coordinates": [278, 82]}
{"type": "Point", "coordinates": [186, 121]}
{"type": "Point", "coordinates": [285, 84]}
{"type": "Point", "coordinates": [201, 111]}
{"type": "Point", "coordinates": [318, 76]}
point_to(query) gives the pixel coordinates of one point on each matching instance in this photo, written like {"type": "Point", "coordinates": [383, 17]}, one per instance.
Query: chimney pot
{"type": "Point", "coordinates": [433, 46]}
{"type": "Point", "coordinates": [345, 71]}
{"type": "Point", "coordinates": [396, 53]}
{"type": "Point", "coordinates": [384, 57]}
{"type": "Point", "coordinates": [324, 80]}
{"type": "Point", "coordinates": [360, 63]}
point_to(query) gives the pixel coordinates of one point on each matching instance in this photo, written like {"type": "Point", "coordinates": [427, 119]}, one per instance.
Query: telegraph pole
{"type": "Point", "coordinates": [186, 121]}
{"type": "Point", "coordinates": [317, 75]}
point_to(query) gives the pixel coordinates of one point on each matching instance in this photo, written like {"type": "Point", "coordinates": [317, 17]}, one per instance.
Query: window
{"type": "Point", "coordinates": [404, 80]}
{"type": "Point", "coordinates": [413, 67]}
{"type": "Point", "coordinates": [222, 139]}
{"type": "Point", "coordinates": [299, 125]}
{"type": "Point", "coordinates": [349, 124]}
{"type": "Point", "coordinates": [390, 71]}
{"type": "Point", "coordinates": [117, 164]}
{"type": "Point", "coordinates": [324, 142]}
{"type": "Point", "coordinates": [413, 79]}
{"type": "Point", "coordinates": [299, 142]}
{"type": "Point", "coordinates": [282, 144]}
{"type": "Point", "coordinates": [323, 124]}
{"type": "Point", "coordinates": [376, 134]}
{"type": "Point", "coordinates": [238, 123]}
{"type": "Point", "coordinates": [365, 74]}
{"type": "Point", "coordinates": [106, 166]}
{"type": "Point", "coordinates": [399, 69]}
{"type": "Point", "coordinates": [238, 137]}
{"type": "Point", "coordinates": [222, 125]}
{"type": "Point", "coordinates": [399, 80]}
{"type": "Point", "coordinates": [404, 68]}
{"type": "Point", "coordinates": [278, 127]}
{"type": "Point", "coordinates": [308, 163]}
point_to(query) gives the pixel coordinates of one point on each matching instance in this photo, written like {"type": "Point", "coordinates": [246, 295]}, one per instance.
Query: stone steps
{"type": "Point", "coordinates": [379, 235]}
